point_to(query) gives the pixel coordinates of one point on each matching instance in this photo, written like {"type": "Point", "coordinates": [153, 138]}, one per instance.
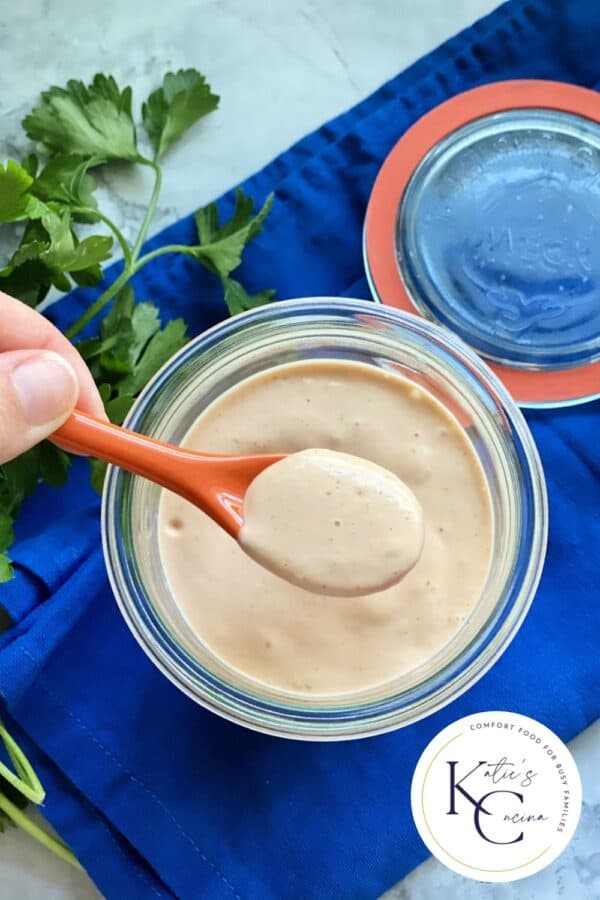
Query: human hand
{"type": "Point", "coordinates": [42, 379]}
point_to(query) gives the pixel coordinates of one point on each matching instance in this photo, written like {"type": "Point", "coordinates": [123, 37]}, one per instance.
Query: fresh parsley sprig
{"type": "Point", "coordinates": [77, 129]}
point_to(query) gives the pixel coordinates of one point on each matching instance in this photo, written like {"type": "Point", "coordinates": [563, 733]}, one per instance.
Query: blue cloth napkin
{"type": "Point", "coordinates": [159, 798]}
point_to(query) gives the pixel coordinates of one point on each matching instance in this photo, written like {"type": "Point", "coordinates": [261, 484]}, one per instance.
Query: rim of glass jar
{"type": "Point", "coordinates": [345, 722]}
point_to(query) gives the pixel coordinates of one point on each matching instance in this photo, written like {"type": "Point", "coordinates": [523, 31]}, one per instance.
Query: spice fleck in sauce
{"type": "Point", "coordinates": [307, 642]}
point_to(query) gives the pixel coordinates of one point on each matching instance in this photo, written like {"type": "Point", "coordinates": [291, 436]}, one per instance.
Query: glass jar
{"type": "Point", "coordinates": [353, 330]}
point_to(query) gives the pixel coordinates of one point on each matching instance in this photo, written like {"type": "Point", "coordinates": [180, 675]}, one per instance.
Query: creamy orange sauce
{"type": "Point", "coordinates": [332, 523]}
{"type": "Point", "coordinates": [298, 640]}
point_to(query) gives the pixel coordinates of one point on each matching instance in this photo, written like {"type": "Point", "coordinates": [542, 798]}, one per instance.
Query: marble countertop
{"type": "Point", "coordinates": [282, 67]}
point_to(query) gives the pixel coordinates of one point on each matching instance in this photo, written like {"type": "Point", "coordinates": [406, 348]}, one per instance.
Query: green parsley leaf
{"type": "Point", "coordinates": [26, 276]}
{"type": "Point", "coordinates": [60, 281]}
{"type": "Point", "coordinates": [238, 300]}
{"type": "Point", "coordinates": [145, 322]}
{"type": "Point", "coordinates": [160, 348]}
{"type": "Point", "coordinates": [94, 121]}
{"type": "Point", "coordinates": [30, 164]}
{"type": "Point", "coordinates": [79, 127]}
{"type": "Point", "coordinates": [7, 535]}
{"type": "Point", "coordinates": [97, 473]}
{"type": "Point", "coordinates": [29, 282]}
{"type": "Point", "coordinates": [59, 237]}
{"type": "Point", "coordinates": [65, 252]}
{"type": "Point", "coordinates": [121, 310]}
{"type": "Point", "coordinates": [16, 200]}
{"type": "Point", "coordinates": [118, 407]}
{"type": "Point", "coordinates": [89, 253]}
{"type": "Point", "coordinates": [184, 97]}
{"type": "Point", "coordinates": [221, 246]}
{"type": "Point", "coordinates": [6, 569]}
{"type": "Point", "coordinates": [20, 478]}
{"type": "Point", "coordinates": [133, 327]}
{"type": "Point", "coordinates": [65, 179]}
{"type": "Point", "coordinates": [104, 390]}
{"type": "Point", "coordinates": [124, 333]}
{"type": "Point", "coordinates": [48, 250]}
{"type": "Point", "coordinates": [33, 244]}
{"type": "Point", "coordinates": [87, 277]}
{"type": "Point", "coordinates": [131, 347]}
{"type": "Point", "coordinates": [54, 464]}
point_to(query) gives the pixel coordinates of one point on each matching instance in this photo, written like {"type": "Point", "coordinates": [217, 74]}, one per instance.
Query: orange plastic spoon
{"type": "Point", "coordinates": [216, 484]}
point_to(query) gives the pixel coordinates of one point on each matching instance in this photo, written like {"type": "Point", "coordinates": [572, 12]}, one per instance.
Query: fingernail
{"type": "Point", "coordinates": [46, 386]}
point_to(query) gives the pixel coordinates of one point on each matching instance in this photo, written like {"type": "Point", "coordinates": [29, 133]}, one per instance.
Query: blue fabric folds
{"type": "Point", "coordinates": [159, 798]}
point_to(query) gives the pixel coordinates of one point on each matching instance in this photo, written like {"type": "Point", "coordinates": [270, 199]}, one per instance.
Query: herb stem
{"type": "Point", "coordinates": [25, 781]}
{"type": "Point", "coordinates": [162, 251]}
{"type": "Point", "coordinates": [99, 304]}
{"type": "Point", "coordinates": [143, 232]}
{"type": "Point", "coordinates": [55, 845]}
{"type": "Point", "coordinates": [131, 256]}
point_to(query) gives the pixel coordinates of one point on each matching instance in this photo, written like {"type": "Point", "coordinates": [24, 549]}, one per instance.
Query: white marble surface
{"type": "Point", "coordinates": [282, 67]}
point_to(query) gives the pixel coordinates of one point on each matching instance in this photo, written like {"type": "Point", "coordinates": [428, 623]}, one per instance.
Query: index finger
{"type": "Point", "coordinates": [22, 328]}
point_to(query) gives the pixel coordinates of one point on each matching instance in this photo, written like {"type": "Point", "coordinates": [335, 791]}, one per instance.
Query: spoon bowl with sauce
{"type": "Point", "coordinates": [330, 522]}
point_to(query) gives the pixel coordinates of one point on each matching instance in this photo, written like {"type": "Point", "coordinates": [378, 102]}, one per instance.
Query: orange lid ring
{"type": "Point", "coordinates": [528, 387]}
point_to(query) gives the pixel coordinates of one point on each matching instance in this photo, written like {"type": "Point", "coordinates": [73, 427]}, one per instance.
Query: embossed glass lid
{"type": "Point", "coordinates": [486, 218]}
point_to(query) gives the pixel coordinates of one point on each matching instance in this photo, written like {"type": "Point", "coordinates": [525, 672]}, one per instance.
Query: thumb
{"type": "Point", "coordinates": [38, 391]}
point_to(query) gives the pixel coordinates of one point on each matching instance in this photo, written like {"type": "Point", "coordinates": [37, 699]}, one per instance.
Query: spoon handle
{"type": "Point", "coordinates": [137, 453]}
{"type": "Point", "coordinates": [216, 484]}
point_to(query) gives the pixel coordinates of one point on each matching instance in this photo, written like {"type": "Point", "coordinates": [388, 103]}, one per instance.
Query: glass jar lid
{"type": "Point", "coordinates": [486, 218]}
